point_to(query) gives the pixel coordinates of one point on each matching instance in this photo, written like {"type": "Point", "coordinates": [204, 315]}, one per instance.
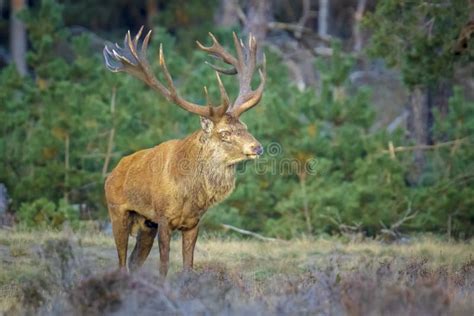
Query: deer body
{"type": "Point", "coordinates": [176, 181]}
{"type": "Point", "coordinates": [170, 186]}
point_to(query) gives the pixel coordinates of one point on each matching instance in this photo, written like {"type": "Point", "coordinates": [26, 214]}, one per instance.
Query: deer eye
{"type": "Point", "coordinates": [225, 135]}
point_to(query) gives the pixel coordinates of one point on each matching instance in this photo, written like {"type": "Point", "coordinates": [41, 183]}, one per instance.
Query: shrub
{"type": "Point", "coordinates": [46, 214]}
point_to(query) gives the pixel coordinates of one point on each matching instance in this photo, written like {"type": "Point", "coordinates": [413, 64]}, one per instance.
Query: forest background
{"type": "Point", "coordinates": [367, 118]}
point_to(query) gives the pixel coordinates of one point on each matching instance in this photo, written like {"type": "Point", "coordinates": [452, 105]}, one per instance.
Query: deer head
{"type": "Point", "coordinates": [221, 125]}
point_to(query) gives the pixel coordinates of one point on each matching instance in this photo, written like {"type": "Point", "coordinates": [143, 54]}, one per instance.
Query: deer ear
{"type": "Point", "coordinates": [206, 124]}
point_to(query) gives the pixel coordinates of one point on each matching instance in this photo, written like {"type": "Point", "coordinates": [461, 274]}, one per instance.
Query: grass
{"type": "Point", "coordinates": [51, 272]}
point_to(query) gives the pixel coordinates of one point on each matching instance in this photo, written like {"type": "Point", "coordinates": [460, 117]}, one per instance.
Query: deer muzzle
{"type": "Point", "coordinates": [254, 150]}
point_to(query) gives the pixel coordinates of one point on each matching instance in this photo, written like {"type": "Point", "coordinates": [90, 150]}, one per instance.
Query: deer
{"type": "Point", "coordinates": [169, 187]}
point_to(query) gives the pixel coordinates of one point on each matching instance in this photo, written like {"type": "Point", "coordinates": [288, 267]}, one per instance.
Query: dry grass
{"type": "Point", "coordinates": [52, 272]}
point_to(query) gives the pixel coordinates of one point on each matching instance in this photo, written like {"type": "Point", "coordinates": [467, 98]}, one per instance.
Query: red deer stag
{"type": "Point", "coordinates": [170, 186]}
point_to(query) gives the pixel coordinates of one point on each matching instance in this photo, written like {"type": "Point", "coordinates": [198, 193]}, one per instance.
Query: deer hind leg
{"type": "Point", "coordinates": [121, 221]}
{"type": "Point", "coordinates": [145, 238]}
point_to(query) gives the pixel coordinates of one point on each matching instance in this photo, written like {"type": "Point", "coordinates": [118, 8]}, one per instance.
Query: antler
{"type": "Point", "coordinates": [243, 66]}
{"type": "Point", "coordinates": [133, 61]}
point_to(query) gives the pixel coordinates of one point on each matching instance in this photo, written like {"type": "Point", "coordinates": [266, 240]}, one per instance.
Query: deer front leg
{"type": "Point", "coordinates": [164, 237]}
{"type": "Point", "coordinates": [121, 230]}
{"type": "Point", "coordinates": [189, 241]}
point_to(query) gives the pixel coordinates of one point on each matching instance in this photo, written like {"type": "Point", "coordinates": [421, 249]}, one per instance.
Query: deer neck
{"type": "Point", "coordinates": [206, 168]}
{"type": "Point", "coordinates": [210, 159]}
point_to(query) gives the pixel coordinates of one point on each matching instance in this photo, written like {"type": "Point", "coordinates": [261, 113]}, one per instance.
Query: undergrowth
{"type": "Point", "coordinates": [61, 273]}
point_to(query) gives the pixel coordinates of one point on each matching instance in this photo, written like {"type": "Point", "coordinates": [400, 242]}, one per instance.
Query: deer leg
{"type": "Point", "coordinates": [145, 238]}
{"type": "Point", "coordinates": [121, 230]}
{"type": "Point", "coordinates": [164, 237]}
{"type": "Point", "coordinates": [189, 241]}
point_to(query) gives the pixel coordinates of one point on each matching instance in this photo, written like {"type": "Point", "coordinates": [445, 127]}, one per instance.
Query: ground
{"type": "Point", "coordinates": [64, 272]}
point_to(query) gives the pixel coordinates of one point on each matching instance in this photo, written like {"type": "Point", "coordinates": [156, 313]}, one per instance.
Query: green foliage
{"type": "Point", "coordinates": [418, 37]}
{"type": "Point", "coordinates": [188, 21]}
{"type": "Point", "coordinates": [323, 165]}
{"type": "Point", "coordinates": [324, 168]}
{"type": "Point", "coordinates": [46, 214]}
{"type": "Point", "coordinates": [447, 192]}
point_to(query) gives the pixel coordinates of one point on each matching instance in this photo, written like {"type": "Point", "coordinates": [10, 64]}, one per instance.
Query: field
{"type": "Point", "coordinates": [63, 273]}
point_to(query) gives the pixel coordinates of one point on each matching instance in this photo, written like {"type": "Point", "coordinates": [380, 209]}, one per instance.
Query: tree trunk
{"type": "Point", "coordinates": [323, 18]}
{"type": "Point", "coordinates": [110, 144]}
{"type": "Point", "coordinates": [419, 128]}
{"type": "Point", "coordinates": [259, 14]}
{"type": "Point", "coordinates": [357, 33]}
{"type": "Point", "coordinates": [151, 12]}
{"type": "Point", "coordinates": [307, 216]}
{"type": "Point", "coordinates": [3, 199]}
{"type": "Point", "coordinates": [67, 167]}
{"type": "Point", "coordinates": [227, 14]}
{"type": "Point", "coordinates": [439, 95]}
{"type": "Point", "coordinates": [422, 102]}
{"type": "Point", "coordinates": [18, 37]}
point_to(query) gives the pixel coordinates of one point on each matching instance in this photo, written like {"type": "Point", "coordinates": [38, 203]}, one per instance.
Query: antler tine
{"type": "Point", "coordinates": [164, 67]}
{"type": "Point", "coordinates": [240, 54]}
{"type": "Point", "coordinates": [243, 66]}
{"type": "Point", "coordinates": [247, 56]}
{"type": "Point", "coordinates": [206, 94]}
{"type": "Point", "coordinates": [127, 60]}
{"type": "Point", "coordinates": [225, 101]}
{"type": "Point", "coordinates": [252, 53]}
{"type": "Point", "coordinates": [231, 71]}
{"type": "Point", "coordinates": [252, 98]}
{"type": "Point", "coordinates": [146, 40]}
{"type": "Point", "coordinates": [217, 50]}
{"type": "Point", "coordinates": [137, 36]}
{"type": "Point", "coordinates": [205, 111]}
{"type": "Point", "coordinates": [131, 46]}
{"type": "Point", "coordinates": [224, 96]}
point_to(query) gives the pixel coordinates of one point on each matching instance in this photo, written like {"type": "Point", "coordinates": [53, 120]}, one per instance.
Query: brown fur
{"type": "Point", "coordinates": [173, 184]}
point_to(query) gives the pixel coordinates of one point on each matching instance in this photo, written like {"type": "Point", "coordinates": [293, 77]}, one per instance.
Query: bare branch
{"type": "Point", "coordinates": [110, 143]}
{"type": "Point", "coordinates": [393, 230]}
{"type": "Point", "coordinates": [249, 233]}
{"type": "Point", "coordinates": [427, 147]}
{"type": "Point", "coordinates": [304, 18]}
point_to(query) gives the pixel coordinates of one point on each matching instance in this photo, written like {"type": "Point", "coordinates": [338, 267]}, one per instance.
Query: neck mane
{"type": "Point", "coordinates": [203, 167]}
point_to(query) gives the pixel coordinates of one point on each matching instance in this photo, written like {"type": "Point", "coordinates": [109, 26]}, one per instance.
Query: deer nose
{"type": "Point", "coordinates": [257, 149]}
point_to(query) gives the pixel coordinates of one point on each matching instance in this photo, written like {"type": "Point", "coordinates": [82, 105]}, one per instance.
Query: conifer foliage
{"type": "Point", "coordinates": [325, 170]}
